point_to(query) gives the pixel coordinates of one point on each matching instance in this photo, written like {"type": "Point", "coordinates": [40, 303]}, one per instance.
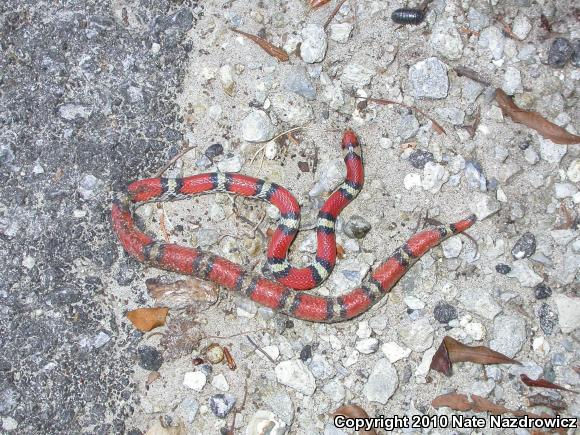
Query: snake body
{"type": "Point", "coordinates": [282, 295]}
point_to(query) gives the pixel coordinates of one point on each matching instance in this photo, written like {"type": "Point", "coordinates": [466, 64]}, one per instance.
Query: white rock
{"type": "Point", "coordinates": [568, 312]}
{"type": "Point", "coordinates": [434, 176]}
{"type": "Point", "coordinates": [512, 81]}
{"type": "Point", "coordinates": [428, 78]}
{"type": "Point", "coordinates": [493, 39]}
{"type": "Point", "coordinates": [394, 352]}
{"type": "Point", "coordinates": [531, 156]}
{"type": "Point", "coordinates": [295, 374]}
{"type": "Point", "coordinates": [522, 270]}
{"type": "Point", "coordinates": [573, 171]}
{"type": "Point", "coordinates": [452, 247]}
{"type": "Point", "coordinates": [521, 26]}
{"type": "Point", "coordinates": [482, 388]}
{"type": "Point", "coordinates": [418, 336]}
{"type": "Point", "coordinates": [364, 330]}
{"type": "Point", "coordinates": [412, 180]}
{"type": "Point", "coordinates": [483, 205]}
{"type": "Point", "coordinates": [551, 152]}
{"type": "Point", "coordinates": [257, 127]}
{"type": "Point", "coordinates": [367, 346]}
{"type": "Point", "coordinates": [382, 382]}
{"type": "Point", "coordinates": [424, 366]}
{"type": "Point", "coordinates": [414, 302]}
{"type": "Point", "coordinates": [479, 302]}
{"type": "Point", "coordinates": [313, 47]}
{"type": "Point", "coordinates": [231, 164]}
{"type": "Point", "coordinates": [265, 423]}
{"type": "Point", "coordinates": [74, 111]}
{"type": "Point", "coordinates": [9, 424]}
{"type": "Point", "coordinates": [334, 390]}
{"type": "Point", "coordinates": [356, 76]}
{"type": "Point", "coordinates": [340, 32]}
{"type": "Point", "coordinates": [475, 330]}
{"type": "Point", "coordinates": [541, 346]}
{"type": "Point", "coordinates": [227, 78]}
{"type": "Point", "coordinates": [220, 382]}
{"type": "Point", "coordinates": [194, 380]}
{"type": "Point", "coordinates": [563, 237]}
{"type": "Point", "coordinates": [271, 150]}
{"type": "Point", "coordinates": [446, 40]}
{"type": "Point", "coordinates": [291, 108]}
{"type": "Point", "coordinates": [564, 190]}
{"type": "Point", "coordinates": [332, 175]}
{"type": "Point", "coordinates": [452, 115]}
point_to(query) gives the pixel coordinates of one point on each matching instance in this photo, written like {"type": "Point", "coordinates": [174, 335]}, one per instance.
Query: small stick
{"type": "Point", "coordinates": [333, 14]}
{"type": "Point", "coordinates": [259, 349]}
{"type": "Point", "coordinates": [470, 74]}
{"type": "Point", "coordinates": [172, 161]}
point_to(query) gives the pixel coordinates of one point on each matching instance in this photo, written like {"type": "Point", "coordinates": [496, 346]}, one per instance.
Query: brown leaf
{"type": "Point", "coordinates": [145, 319]}
{"type": "Point", "coordinates": [354, 411]}
{"type": "Point", "coordinates": [340, 251]}
{"type": "Point", "coordinates": [182, 293]}
{"type": "Point", "coordinates": [268, 47]}
{"type": "Point", "coordinates": [451, 351]}
{"type": "Point", "coordinates": [542, 383]}
{"type": "Point", "coordinates": [535, 121]}
{"type": "Point", "coordinates": [315, 4]}
{"type": "Point", "coordinates": [434, 124]}
{"type": "Point", "coordinates": [455, 401]}
{"type": "Point", "coordinates": [550, 402]}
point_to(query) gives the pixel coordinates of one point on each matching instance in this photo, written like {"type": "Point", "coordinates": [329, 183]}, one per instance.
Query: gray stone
{"type": "Point", "coordinates": [568, 312]}
{"type": "Point", "coordinates": [525, 246]}
{"type": "Point", "coordinates": [484, 206]}
{"type": "Point", "coordinates": [551, 152]}
{"type": "Point", "coordinates": [428, 79]}
{"type": "Point", "coordinates": [479, 302]}
{"type": "Point", "coordinates": [418, 158]}
{"type": "Point", "coordinates": [356, 76]}
{"type": "Point", "coordinates": [313, 47]}
{"type": "Point", "coordinates": [446, 40]}
{"type": "Point", "coordinates": [477, 20]}
{"type": "Point", "coordinates": [408, 126]}
{"type": "Point", "coordinates": [522, 271]}
{"type": "Point", "coordinates": [493, 39]}
{"type": "Point", "coordinates": [298, 81]}
{"type": "Point", "coordinates": [357, 227]}
{"type": "Point", "coordinates": [548, 318]}
{"type": "Point", "coordinates": [509, 334]}
{"type": "Point", "coordinates": [295, 374]}
{"type": "Point", "coordinates": [265, 423]}
{"type": "Point", "coordinates": [451, 115]}
{"type": "Point", "coordinates": [382, 382]}
{"type": "Point", "coordinates": [257, 127]}
{"type": "Point", "coordinates": [560, 52]}
{"type": "Point", "coordinates": [418, 336]}
{"type": "Point", "coordinates": [474, 175]}
{"type": "Point", "coordinates": [221, 404]}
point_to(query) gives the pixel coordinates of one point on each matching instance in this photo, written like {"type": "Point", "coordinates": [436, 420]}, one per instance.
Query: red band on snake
{"type": "Point", "coordinates": [275, 295]}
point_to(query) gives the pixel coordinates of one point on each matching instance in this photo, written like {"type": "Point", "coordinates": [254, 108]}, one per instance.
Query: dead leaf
{"type": "Point", "coordinates": [354, 411]}
{"type": "Point", "coordinates": [434, 124]}
{"type": "Point", "coordinates": [550, 402]}
{"type": "Point", "coordinates": [451, 351]}
{"type": "Point", "coordinates": [455, 401]}
{"type": "Point", "coordinates": [542, 383]}
{"type": "Point", "coordinates": [145, 319]}
{"type": "Point", "coordinates": [183, 293]}
{"type": "Point", "coordinates": [535, 121]}
{"type": "Point", "coordinates": [153, 376]}
{"type": "Point", "coordinates": [340, 251]}
{"type": "Point", "coordinates": [315, 4]}
{"type": "Point", "coordinates": [181, 337]}
{"type": "Point", "coordinates": [268, 47]}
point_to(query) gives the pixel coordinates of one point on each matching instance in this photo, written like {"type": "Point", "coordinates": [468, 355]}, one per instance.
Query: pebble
{"type": "Point", "coordinates": [573, 172]}
{"type": "Point", "coordinates": [394, 352]}
{"type": "Point", "coordinates": [484, 206]}
{"type": "Point", "coordinates": [525, 246]}
{"type": "Point", "coordinates": [504, 269]}
{"type": "Point", "coordinates": [313, 47]}
{"type": "Point", "coordinates": [482, 388]}
{"type": "Point", "coordinates": [382, 382]}
{"type": "Point", "coordinates": [194, 380]}
{"type": "Point", "coordinates": [471, 90]}
{"type": "Point", "coordinates": [73, 111]}
{"type": "Point", "coordinates": [149, 358]}
{"type": "Point", "coordinates": [334, 390]}
{"type": "Point", "coordinates": [214, 150]}
{"type": "Point", "coordinates": [525, 274]}
{"type": "Point", "coordinates": [568, 309]}
{"type": "Point", "coordinates": [408, 126]}
{"type": "Point", "coordinates": [412, 181]}
{"type": "Point", "coordinates": [551, 152]}
{"type": "Point", "coordinates": [88, 186]}
{"type": "Point", "coordinates": [428, 78]}
{"type": "Point", "coordinates": [418, 336]}
{"type": "Point", "coordinates": [452, 247]}
{"type": "Point", "coordinates": [521, 26]}
{"type": "Point", "coordinates": [531, 156]}
{"type": "Point", "coordinates": [291, 108]}
{"type": "Point", "coordinates": [8, 399]}
{"type": "Point", "coordinates": [512, 81]}
{"type": "Point", "coordinates": [9, 424]}
{"type": "Point", "coordinates": [364, 330]}
{"type": "Point", "coordinates": [189, 408]}
{"type": "Point", "coordinates": [419, 158]}
{"type": "Point", "coordinates": [257, 127]}
{"type": "Point", "coordinates": [356, 76]}
{"type": "Point", "coordinates": [479, 302]}
{"type": "Point", "coordinates": [332, 175]}
{"type": "Point", "coordinates": [220, 382]}
{"type": "Point", "coordinates": [414, 303]}
{"type": "Point", "coordinates": [560, 52]}
{"type": "Point", "coordinates": [434, 176]}
{"type": "Point", "coordinates": [306, 353]}
{"type": "Point", "coordinates": [446, 40]}
{"type": "Point", "coordinates": [548, 318]}
{"type": "Point", "coordinates": [357, 227]}
{"type": "Point", "coordinates": [227, 79]}
{"type": "Point", "coordinates": [221, 404]}
{"type": "Point", "coordinates": [265, 423]}
{"type": "Point", "coordinates": [452, 115]}
{"type": "Point", "coordinates": [542, 291]}
{"type": "Point", "coordinates": [231, 164]}
{"type": "Point", "coordinates": [444, 312]}
{"type": "Point", "coordinates": [367, 346]}
{"type": "Point", "coordinates": [279, 402]}
{"type": "Point", "coordinates": [564, 190]}
{"type": "Point", "coordinates": [320, 367]}
{"type": "Point", "coordinates": [298, 81]}
{"type": "Point", "coordinates": [477, 20]}
{"type": "Point", "coordinates": [340, 32]}
{"type": "Point", "coordinates": [475, 330]}
{"type": "Point", "coordinates": [576, 54]}
{"type": "Point", "coordinates": [493, 39]}
{"type": "Point", "coordinates": [271, 150]}
{"type": "Point", "coordinates": [295, 374]}
{"type": "Point", "coordinates": [509, 334]}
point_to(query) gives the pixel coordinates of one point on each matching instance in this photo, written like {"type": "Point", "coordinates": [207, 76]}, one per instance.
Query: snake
{"type": "Point", "coordinates": [283, 294]}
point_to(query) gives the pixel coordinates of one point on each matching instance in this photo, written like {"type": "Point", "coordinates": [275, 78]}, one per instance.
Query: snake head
{"type": "Point", "coordinates": [349, 139]}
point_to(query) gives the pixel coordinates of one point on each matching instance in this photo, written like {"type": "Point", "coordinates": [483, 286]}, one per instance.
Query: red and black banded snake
{"type": "Point", "coordinates": [281, 296]}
